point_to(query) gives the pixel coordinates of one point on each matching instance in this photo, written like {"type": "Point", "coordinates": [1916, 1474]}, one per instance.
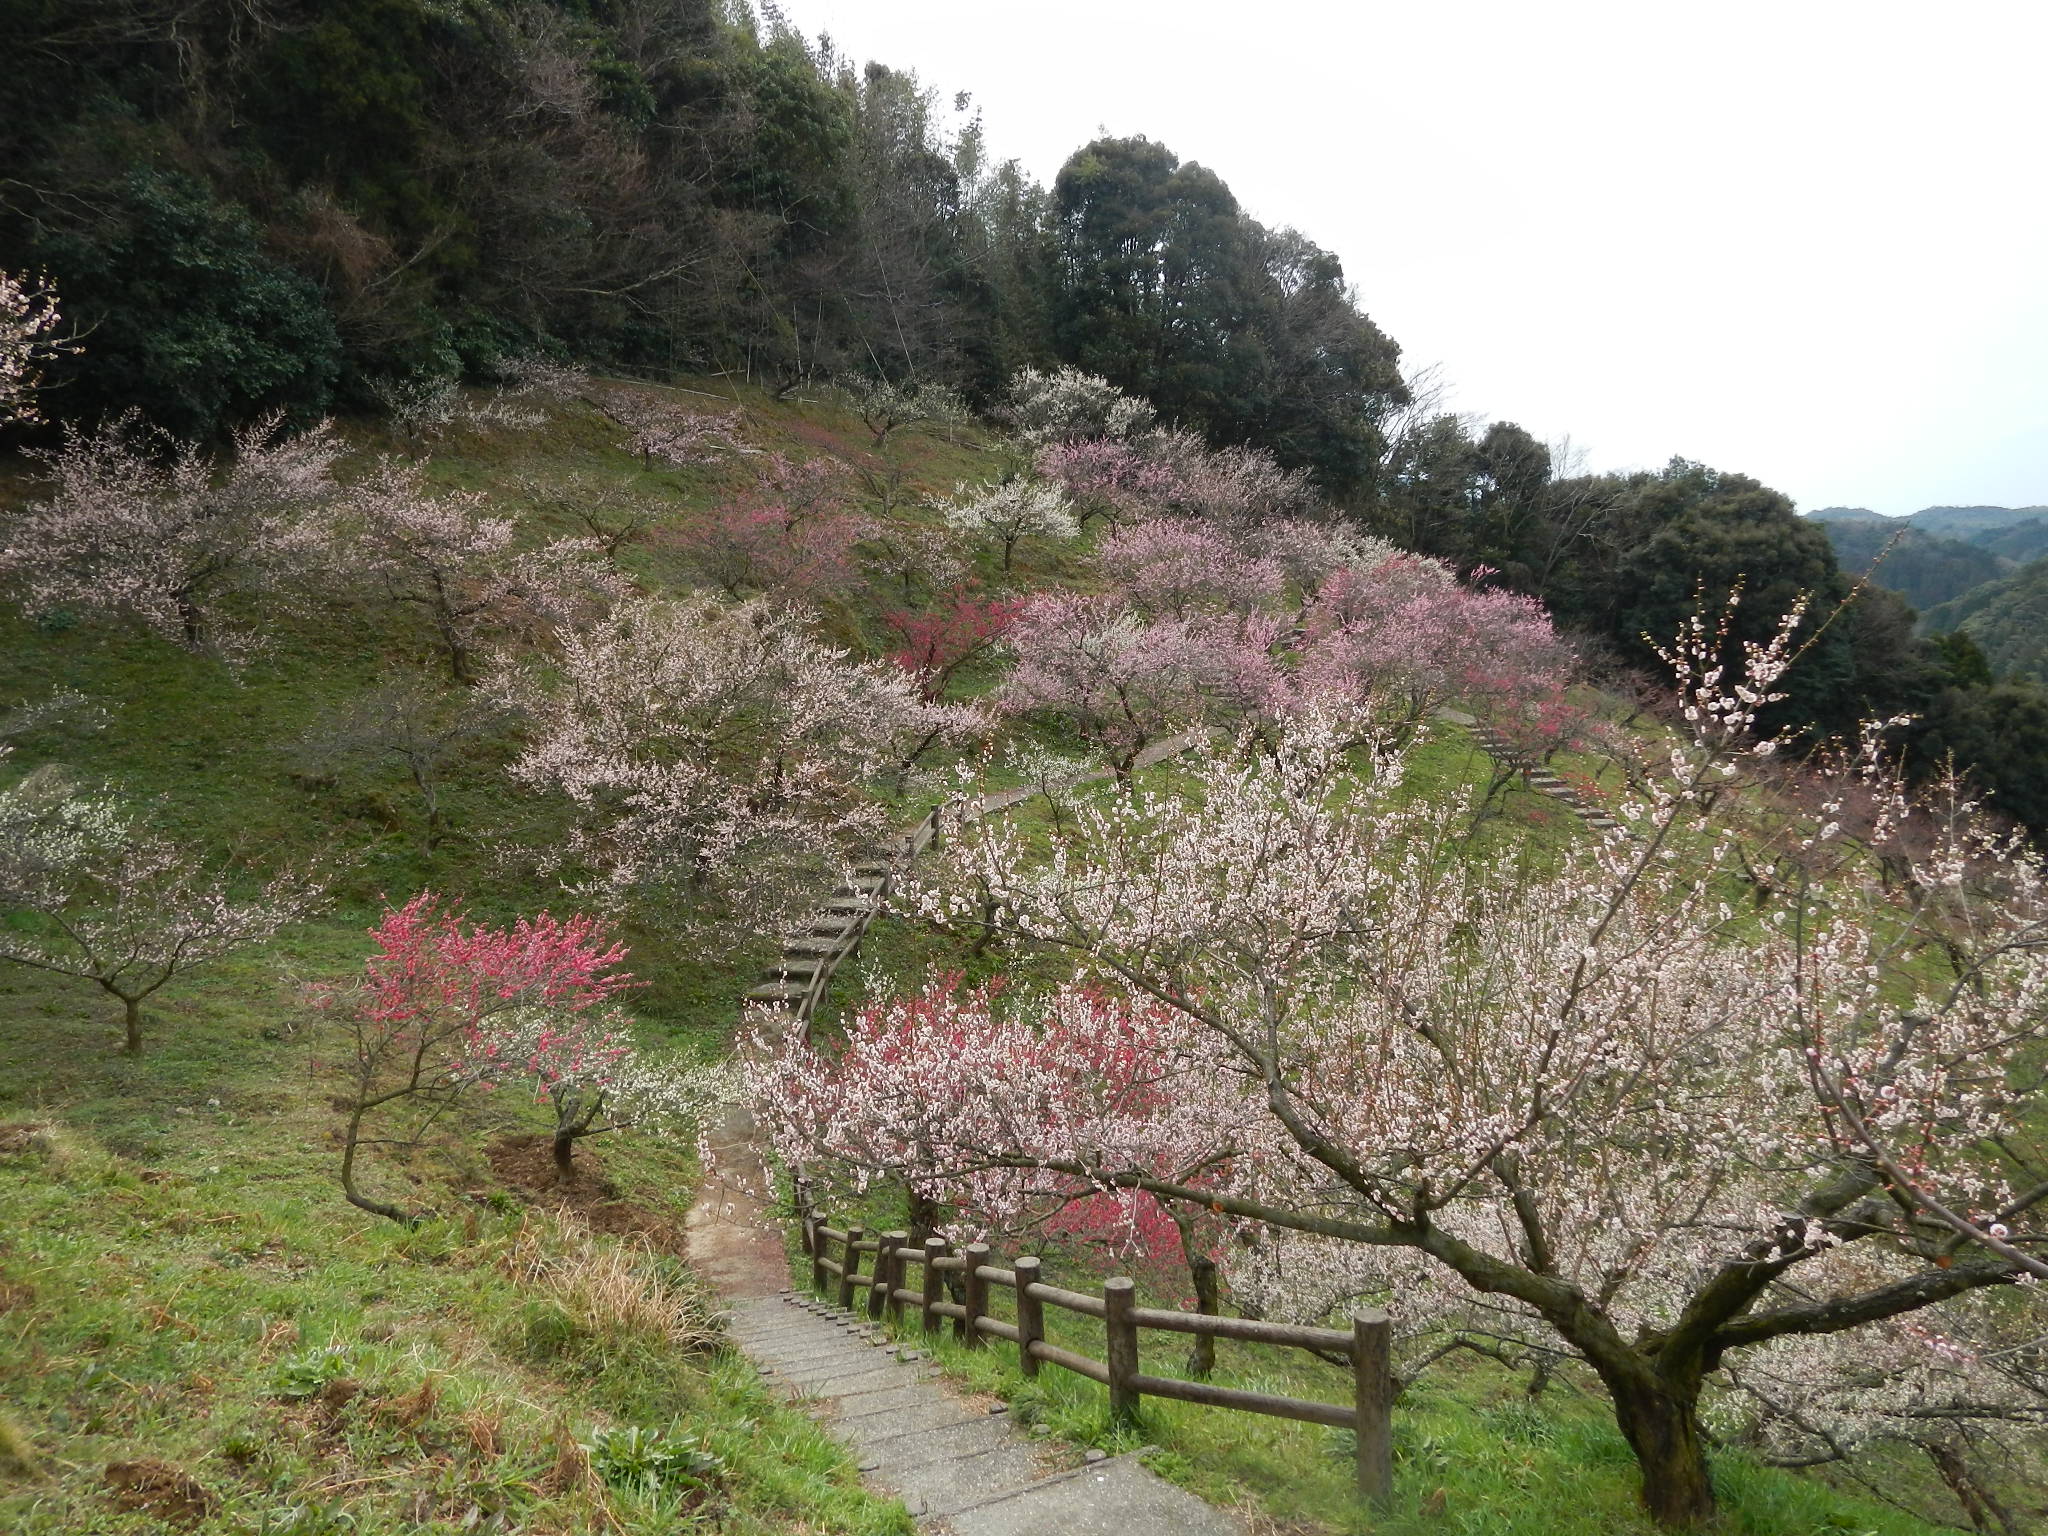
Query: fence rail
{"type": "Point", "coordinates": [891, 1296]}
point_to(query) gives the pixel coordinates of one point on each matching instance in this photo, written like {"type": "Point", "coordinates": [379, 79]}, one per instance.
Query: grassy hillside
{"type": "Point", "coordinates": [197, 1332]}
{"type": "Point", "coordinates": [194, 1328]}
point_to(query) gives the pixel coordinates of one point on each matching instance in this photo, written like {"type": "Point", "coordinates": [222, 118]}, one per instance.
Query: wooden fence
{"type": "Point", "coordinates": [889, 1295]}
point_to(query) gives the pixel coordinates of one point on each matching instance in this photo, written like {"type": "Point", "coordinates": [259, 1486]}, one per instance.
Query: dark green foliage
{"type": "Point", "coordinates": [1964, 660]}
{"type": "Point", "coordinates": [1926, 569]}
{"type": "Point", "coordinates": [344, 102]}
{"type": "Point", "coordinates": [2008, 618]}
{"type": "Point", "coordinates": [1168, 290]}
{"type": "Point", "coordinates": [186, 317]}
{"type": "Point", "coordinates": [1999, 737]}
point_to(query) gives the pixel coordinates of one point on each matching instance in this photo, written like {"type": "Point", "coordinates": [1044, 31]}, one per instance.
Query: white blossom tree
{"type": "Point", "coordinates": [96, 895]}
{"type": "Point", "coordinates": [1068, 405]}
{"type": "Point", "coordinates": [28, 342]}
{"type": "Point", "coordinates": [141, 527]}
{"type": "Point", "coordinates": [1590, 1110]}
{"type": "Point", "coordinates": [440, 557]}
{"type": "Point", "coordinates": [887, 408]}
{"type": "Point", "coordinates": [717, 749]}
{"type": "Point", "coordinates": [1011, 511]}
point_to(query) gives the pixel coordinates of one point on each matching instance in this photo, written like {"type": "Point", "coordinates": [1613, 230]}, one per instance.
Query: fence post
{"type": "Point", "coordinates": [888, 1273]}
{"type": "Point", "coordinates": [934, 1248]}
{"type": "Point", "coordinates": [976, 1255]}
{"type": "Point", "coordinates": [1030, 1314]}
{"type": "Point", "coordinates": [816, 1247]}
{"type": "Point", "coordinates": [1370, 1339]}
{"type": "Point", "coordinates": [1118, 1297]}
{"type": "Point", "coordinates": [849, 1268]}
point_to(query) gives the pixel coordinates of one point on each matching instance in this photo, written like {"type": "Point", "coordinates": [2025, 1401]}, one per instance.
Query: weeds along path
{"type": "Point", "coordinates": [959, 1465]}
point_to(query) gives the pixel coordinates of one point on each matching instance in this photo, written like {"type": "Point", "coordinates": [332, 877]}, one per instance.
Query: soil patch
{"type": "Point", "coordinates": [526, 1165]}
{"type": "Point", "coordinates": [160, 1489]}
{"type": "Point", "coordinates": [23, 1136]}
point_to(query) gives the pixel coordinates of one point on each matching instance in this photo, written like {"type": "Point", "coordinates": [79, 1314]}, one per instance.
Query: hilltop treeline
{"type": "Point", "coordinates": [280, 204]}
{"type": "Point", "coordinates": [318, 205]}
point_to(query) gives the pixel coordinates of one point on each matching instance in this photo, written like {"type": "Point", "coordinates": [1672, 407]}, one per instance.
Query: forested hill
{"type": "Point", "coordinates": [316, 206]}
{"type": "Point", "coordinates": [295, 204]}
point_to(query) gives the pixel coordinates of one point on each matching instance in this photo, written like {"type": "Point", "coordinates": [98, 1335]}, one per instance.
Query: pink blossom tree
{"type": "Point", "coordinates": [1586, 1111]}
{"type": "Point", "coordinates": [1083, 1057]}
{"type": "Point", "coordinates": [96, 895]}
{"type": "Point", "coordinates": [1172, 567]}
{"type": "Point", "coordinates": [749, 551]}
{"type": "Point", "coordinates": [143, 528]}
{"type": "Point", "coordinates": [1404, 639]}
{"type": "Point", "coordinates": [1108, 478]}
{"type": "Point", "coordinates": [716, 750]}
{"type": "Point", "coordinates": [463, 572]}
{"type": "Point", "coordinates": [1241, 484]}
{"type": "Point", "coordinates": [1123, 683]}
{"type": "Point", "coordinates": [662, 432]}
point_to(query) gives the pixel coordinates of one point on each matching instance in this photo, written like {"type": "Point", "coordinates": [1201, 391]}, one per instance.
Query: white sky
{"type": "Point", "coordinates": [1803, 240]}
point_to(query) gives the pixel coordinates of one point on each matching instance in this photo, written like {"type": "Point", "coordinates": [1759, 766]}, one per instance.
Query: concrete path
{"type": "Point", "coordinates": [959, 1467]}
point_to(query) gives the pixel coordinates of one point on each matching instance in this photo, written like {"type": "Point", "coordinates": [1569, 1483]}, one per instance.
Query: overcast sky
{"type": "Point", "coordinates": [1805, 241]}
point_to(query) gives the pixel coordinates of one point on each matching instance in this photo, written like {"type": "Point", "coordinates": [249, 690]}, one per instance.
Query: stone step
{"type": "Point", "coordinates": [949, 1484]}
{"type": "Point", "coordinates": [818, 945]}
{"type": "Point", "coordinates": [777, 992]}
{"type": "Point", "coordinates": [1113, 1498]}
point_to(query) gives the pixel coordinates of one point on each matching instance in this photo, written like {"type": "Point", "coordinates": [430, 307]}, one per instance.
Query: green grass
{"type": "Point", "coordinates": [176, 1260]}
{"type": "Point", "coordinates": [180, 1283]}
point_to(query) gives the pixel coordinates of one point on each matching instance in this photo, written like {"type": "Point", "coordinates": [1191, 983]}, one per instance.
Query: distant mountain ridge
{"type": "Point", "coordinates": [1939, 556]}
{"type": "Point", "coordinates": [1949, 522]}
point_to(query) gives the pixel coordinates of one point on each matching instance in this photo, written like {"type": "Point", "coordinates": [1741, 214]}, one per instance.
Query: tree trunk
{"type": "Point", "coordinates": [355, 1196]}
{"type": "Point", "coordinates": [1202, 1270]}
{"type": "Point", "coordinates": [1663, 1429]}
{"type": "Point", "coordinates": [131, 1008]}
{"type": "Point", "coordinates": [565, 1153]}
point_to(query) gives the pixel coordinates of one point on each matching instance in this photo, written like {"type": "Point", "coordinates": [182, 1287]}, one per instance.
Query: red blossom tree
{"type": "Point", "coordinates": [446, 1005]}
{"type": "Point", "coordinates": [936, 643]}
